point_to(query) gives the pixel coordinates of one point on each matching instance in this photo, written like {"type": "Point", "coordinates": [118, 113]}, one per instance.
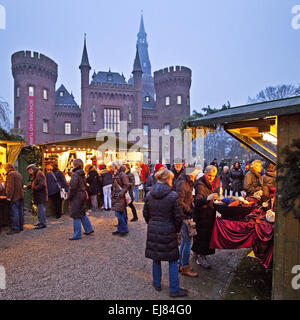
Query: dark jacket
{"type": "Point", "coordinates": [61, 179]}
{"type": "Point", "coordinates": [119, 188]}
{"type": "Point", "coordinates": [151, 181]}
{"type": "Point", "coordinates": [77, 194]}
{"type": "Point", "coordinates": [185, 196]}
{"type": "Point", "coordinates": [14, 186]}
{"type": "Point", "coordinates": [131, 184]}
{"type": "Point", "coordinates": [52, 184]}
{"type": "Point", "coordinates": [204, 215]}
{"type": "Point", "coordinates": [226, 180]}
{"type": "Point", "coordinates": [164, 216]}
{"type": "Point", "coordinates": [252, 182]}
{"type": "Point", "coordinates": [105, 177]}
{"type": "Point", "coordinates": [237, 177]}
{"type": "Point", "coordinates": [178, 177]}
{"type": "Point", "coordinates": [39, 187]}
{"type": "Point", "coordinates": [93, 182]}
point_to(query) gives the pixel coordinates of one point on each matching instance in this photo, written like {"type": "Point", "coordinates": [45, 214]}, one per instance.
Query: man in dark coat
{"type": "Point", "coordinates": [163, 214]}
{"type": "Point", "coordinates": [77, 197]}
{"type": "Point", "coordinates": [119, 189]}
{"type": "Point", "coordinates": [15, 195]}
{"type": "Point", "coordinates": [237, 178]}
{"type": "Point", "coordinates": [206, 190]}
{"type": "Point", "coordinates": [39, 190]}
{"type": "Point", "coordinates": [179, 173]}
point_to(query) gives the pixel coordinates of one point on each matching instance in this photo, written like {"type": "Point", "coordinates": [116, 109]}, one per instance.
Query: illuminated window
{"type": "Point", "coordinates": [112, 120]}
{"type": "Point", "coordinates": [146, 129]}
{"type": "Point", "coordinates": [147, 99]}
{"type": "Point", "coordinates": [167, 128]}
{"type": "Point", "coordinates": [167, 101]}
{"type": "Point", "coordinates": [179, 100]}
{"type": "Point", "coordinates": [68, 128]}
{"type": "Point", "coordinates": [18, 92]}
{"type": "Point", "coordinates": [61, 93]}
{"type": "Point", "coordinates": [31, 91]}
{"type": "Point", "coordinates": [45, 126]}
{"type": "Point", "coordinates": [45, 94]}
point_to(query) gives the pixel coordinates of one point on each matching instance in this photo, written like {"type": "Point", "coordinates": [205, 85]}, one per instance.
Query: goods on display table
{"type": "Point", "coordinates": [246, 223]}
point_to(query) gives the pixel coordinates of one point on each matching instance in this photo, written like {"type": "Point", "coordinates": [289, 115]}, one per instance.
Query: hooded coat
{"type": "Point", "coordinates": [77, 194]}
{"type": "Point", "coordinates": [39, 187]}
{"type": "Point", "coordinates": [163, 214]}
{"type": "Point", "coordinates": [237, 177]}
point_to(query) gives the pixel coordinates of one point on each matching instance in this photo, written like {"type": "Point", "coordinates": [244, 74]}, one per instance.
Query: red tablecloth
{"type": "Point", "coordinates": [257, 235]}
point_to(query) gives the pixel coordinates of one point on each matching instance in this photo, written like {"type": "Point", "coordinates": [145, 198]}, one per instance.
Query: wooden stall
{"type": "Point", "coordinates": [268, 128]}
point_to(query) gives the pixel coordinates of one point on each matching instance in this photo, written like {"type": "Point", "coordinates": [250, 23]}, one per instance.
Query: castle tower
{"type": "Point", "coordinates": [85, 81]}
{"type": "Point", "coordinates": [35, 76]}
{"type": "Point", "coordinates": [137, 82]}
{"type": "Point", "coordinates": [172, 86]}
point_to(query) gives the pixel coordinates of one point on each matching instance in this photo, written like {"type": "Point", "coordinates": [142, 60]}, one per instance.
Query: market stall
{"type": "Point", "coordinates": [272, 130]}
{"type": "Point", "coordinates": [91, 151]}
{"type": "Point", "coordinates": [9, 152]}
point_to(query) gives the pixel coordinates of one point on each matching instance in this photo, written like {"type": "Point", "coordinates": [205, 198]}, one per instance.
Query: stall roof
{"type": "Point", "coordinates": [251, 111]}
{"type": "Point", "coordinates": [83, 142]}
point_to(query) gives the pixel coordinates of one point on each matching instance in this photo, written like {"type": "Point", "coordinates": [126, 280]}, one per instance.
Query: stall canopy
{"type": "Point", "coordinates": [10, 147]}
{"type": "Point", "coordinates": [254, 125]}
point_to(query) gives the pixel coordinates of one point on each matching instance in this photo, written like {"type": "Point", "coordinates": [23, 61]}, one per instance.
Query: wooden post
{"type": "Point", "coordinates": [287, 227]}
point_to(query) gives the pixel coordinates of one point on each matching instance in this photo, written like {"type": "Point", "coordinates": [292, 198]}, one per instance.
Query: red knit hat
{"type": "Point", "coordinates": [158, 166]}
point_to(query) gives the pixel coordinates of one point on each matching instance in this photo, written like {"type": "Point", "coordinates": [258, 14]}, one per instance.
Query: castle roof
{"type": "Point", "coordinates": [108, 77]}
{"type": "Point", "coordinates": [64, 98]}
{"type": "Point", "coordinates": [85, 58]}
{"type": "Point", "coordinates": [137, 62]}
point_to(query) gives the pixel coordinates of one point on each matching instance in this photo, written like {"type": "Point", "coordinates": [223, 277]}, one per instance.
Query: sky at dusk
{"type": "Point", "coordinates": [235, 48]}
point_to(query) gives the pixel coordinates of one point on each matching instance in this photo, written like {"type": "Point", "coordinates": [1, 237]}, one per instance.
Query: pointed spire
{"type": "Point", "coordinates": [85, 59]}
{"type": "Point", "coordinates": [137, 62]}
{"type": "Point", "coordinates": [142, 26]}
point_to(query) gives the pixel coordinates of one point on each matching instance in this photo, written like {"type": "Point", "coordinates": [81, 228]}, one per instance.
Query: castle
{"type": "Point", "coordinates": [144, 101]}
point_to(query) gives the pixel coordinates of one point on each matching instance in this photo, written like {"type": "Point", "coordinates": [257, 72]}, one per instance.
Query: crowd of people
{"type": "Point", "coordinates": [178, 204]}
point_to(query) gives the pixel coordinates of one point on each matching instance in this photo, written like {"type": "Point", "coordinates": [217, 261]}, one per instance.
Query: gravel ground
{"type": "Point", "coordinates": [45, 265]}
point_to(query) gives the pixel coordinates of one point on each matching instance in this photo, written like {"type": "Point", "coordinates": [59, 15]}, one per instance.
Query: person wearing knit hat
{"type": "Point", "coordinates": [151, 181]}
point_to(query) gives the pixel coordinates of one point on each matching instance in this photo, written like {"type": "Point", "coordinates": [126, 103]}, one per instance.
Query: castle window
{"type": "Point", "coordinates": [167, 101]}
{"type": "Point", "coordinates": [147, 99]}
{"type": "Point", "coordinates": [146, 129]}
{"type": "Point", "coordinates": [18, 122]}
{"type": "Point", "coordinates": [45, 126]}
{"type": "Point", "coordinates": [45, 94]}
{"type": "Point", "coordinates": [179, 100]}
{"type": "Point", "coordinates": [61, 93]}
{"type": "Point", "coordinates": [109, 77]}
{"type": "Point", "coordinates": [188, 101]}
{"type": "Point", "coordinates": [112, 120]}
{"type": "Point", "coordinates": [68, 128]}
{"type": "Point", "coordinates": [129, 116]}
{"type": "Point", "coordinates": [167, 128]}
{"type": "Point", "coordinates": [18, 92]}
{"type": "Point", "coordinates": [31, 91]}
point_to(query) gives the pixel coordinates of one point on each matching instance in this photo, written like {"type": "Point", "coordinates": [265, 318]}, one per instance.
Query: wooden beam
{"type": "Point", "coordinates": [252, 123]}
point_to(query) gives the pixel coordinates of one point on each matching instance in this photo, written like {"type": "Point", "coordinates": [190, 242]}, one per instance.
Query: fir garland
{"type": "Point", "coordinates": [290, 187]}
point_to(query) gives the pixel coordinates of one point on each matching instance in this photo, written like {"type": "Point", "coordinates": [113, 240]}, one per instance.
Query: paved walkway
{"type": "Point", "coordinates": [44, 264]}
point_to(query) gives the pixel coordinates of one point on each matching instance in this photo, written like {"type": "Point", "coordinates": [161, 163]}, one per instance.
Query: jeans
{"type": "Point", "coordinates": [87, 226]}
{"type": "Point", "coordinates": [16, 214]}
{"type": "Point", "coordinates": [107, 196]}
{"type": "Point", "coordinates": [173, 275]}
{"type": "Point", "coordinates": [185, 247]}
{"type": "Point", "coordinates": [42, 214]}
{"type": "Point", "coordinates": [136, 193]}
{"type": "Point", "coordinates": [94, 201]}
{"type": "Point", "coordinates": [122, 221]}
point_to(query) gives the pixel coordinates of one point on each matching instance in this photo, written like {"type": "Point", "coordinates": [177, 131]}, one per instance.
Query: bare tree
{"type": "Point", "coordinates": [4, 114]}
{"type": "Point", "coordinates": [275, 93]}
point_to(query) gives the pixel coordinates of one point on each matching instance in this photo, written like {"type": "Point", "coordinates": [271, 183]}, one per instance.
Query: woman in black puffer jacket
{"type": "Point", "coordinates": [164, 217]}
{"type": "Point", "coordinates": [237, 178]}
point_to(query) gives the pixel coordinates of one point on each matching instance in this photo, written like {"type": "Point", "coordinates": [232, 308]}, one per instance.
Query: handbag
{"type": "Point", "coordinates": [191, 226]}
